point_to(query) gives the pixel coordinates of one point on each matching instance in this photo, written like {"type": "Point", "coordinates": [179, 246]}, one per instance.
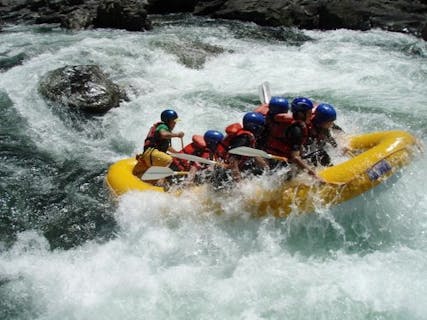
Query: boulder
{"type": "Point", "coordinates": [424, 32]}
{"type": "Point", "coordinates": [122, 14]}
{"type": "Point", "coordinates": [83, 88]}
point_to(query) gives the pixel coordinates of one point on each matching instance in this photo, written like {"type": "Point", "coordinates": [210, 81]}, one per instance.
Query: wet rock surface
{"type": "Point", "coordinates": [83, 88]}
{"type": "Point", "coordinates": [399, 15]}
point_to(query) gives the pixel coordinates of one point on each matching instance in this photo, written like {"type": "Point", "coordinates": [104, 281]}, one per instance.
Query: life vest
{"type": "Point", "coordinates": [275, 136]}
{"type": "Point", "coordinates": [153, 140]}
{"type": "Point", "coordinates": [263, 109]}
{"type": "Point", "coordinates": [282, 146]}
{"type": "Point", "coordinates": [232, 131]}
{"type": "Point", "coordinates": [197, 148]}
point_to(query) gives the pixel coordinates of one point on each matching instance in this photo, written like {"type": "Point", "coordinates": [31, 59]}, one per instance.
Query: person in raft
{"type": "Point", "coordinates": [157, 143]}
{"type": "Point", "coordinates": [201, 146]}
{"type": "Point", "coordinates": [296, 135]}
{"type": "Point", "coordinates": [277, 120]}
{"type": "Point", "coordinates": [239, 135]}
{"type": "Point", "coordinates": [319, 134]}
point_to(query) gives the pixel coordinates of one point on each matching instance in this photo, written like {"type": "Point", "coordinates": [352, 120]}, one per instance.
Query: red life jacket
{"type": "Point", "coordinates": [282, 146]}
{"type": "Point", "coordinates": [233, 131]}
{"type": "Point", "coordinates": [197, 148]}
{"type": "Point", "coordinates": [153, 140]}
{"type": "Point", "coordinates": [276, 134]}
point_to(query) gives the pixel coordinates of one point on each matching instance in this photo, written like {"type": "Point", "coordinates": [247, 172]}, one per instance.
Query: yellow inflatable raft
{"type": "Point", "coordinates": [381, 155]}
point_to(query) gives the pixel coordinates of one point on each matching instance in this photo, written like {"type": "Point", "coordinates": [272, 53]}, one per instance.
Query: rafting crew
{"type": "Point", "coordinates": [287, 137]}
{"type": "Point", "coordinates": [300, 135]}
{"type": "Point", "coordinates": [157, 143]}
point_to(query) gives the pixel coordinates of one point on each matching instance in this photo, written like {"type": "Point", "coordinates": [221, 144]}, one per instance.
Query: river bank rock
{"type": "Point", "coordinates": [408, 16]}
{"type": "Point", "coordinates": [78, 14]}
{"type": "Point", "coordinates": [400, 15]}
{"type": "Point", "coordinates": [84, 88]}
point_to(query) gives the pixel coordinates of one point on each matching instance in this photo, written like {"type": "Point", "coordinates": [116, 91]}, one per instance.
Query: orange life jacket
{"type": "Point", "coordinates": [277, 126]}
{"type": "Point", "coordinates": [282, 146]}
{"type": "Point", "coordinates": [263, 109]}
{"type": "Point", "coordinates": [197, 148]}
{"type": "Point", "coordinates": [233, 131]}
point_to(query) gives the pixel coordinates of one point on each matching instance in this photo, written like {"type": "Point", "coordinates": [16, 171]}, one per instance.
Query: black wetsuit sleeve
{"type": "Point", "coordinates": [295, 137]}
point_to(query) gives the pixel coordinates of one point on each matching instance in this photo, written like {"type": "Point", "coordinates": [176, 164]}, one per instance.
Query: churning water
{"type": "Point", "coordinates": [69, 251]}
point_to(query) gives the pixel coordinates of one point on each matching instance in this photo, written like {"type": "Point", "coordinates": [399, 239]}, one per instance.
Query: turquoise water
{"type": "Point", "coordinates": [69, 251]}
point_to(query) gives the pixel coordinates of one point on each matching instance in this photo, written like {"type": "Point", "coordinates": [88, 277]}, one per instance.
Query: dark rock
{"type": "Point", "coordinates": [207, 7]}
{"type": "Point", "coordinates": [407, 16]}
{"type": "Point", "coordinates": [424, 32]}
{"type": "Point", "coordinates": [122, 14]}
{"type": "Point", "coordinates": [78, 14]}
{"type": "Point", "coordinates": [84, 87]}
{"type": "Point", "coordinates": [168, 6]}
{"type": "Point", "coordinates": [400, 15]}
{"type": "Point", "coordinates": [9, 62]}
{"type": "Point", "coordinates": [78, 19]}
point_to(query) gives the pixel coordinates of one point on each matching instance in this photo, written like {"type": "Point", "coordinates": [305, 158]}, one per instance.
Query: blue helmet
{"type": "Point", "coordinates": [168, 115]}
{"type": "Point", "coordinates": [278, 105]}
{"type": "Point", "coordinates": [253, 122]}
{"type": "Point", "coordinates": [301, 104]}
{"type": "Point", "coordinates": [212, 138]}
{"type": "Point", "coordinates": [324, 113]}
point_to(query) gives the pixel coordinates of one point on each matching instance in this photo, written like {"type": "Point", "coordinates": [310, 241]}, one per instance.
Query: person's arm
{"type": "Point", "coordinates": [296, 158]}
{"type": "Point", "coordinates": [164, 134]}
{"type": "Point", "coordinates": [233, 160]}
{"type": "Point", "coordinates": [295, 135]}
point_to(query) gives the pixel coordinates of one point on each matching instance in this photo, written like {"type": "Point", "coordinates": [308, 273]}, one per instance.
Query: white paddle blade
{"type": "Point", "coordinates": [155, 173]}
{"type": "Point", "coordinates": [190, 157]}
{"type": "Point", "coordinates": [264, 92]}
{"type": "Point", "coordinates": [249, 152]}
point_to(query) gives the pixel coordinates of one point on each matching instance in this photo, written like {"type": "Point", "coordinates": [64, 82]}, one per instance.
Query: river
{"type": "Point", "coordinates": [68, 250]}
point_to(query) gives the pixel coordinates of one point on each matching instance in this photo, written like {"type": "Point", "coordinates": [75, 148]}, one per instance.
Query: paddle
{"type": "Point", "coordinates": [190, 157]}
{"type": "Point", "coordinates": [251, 152]}
{"type": "Point", "coordinates": [264, 92]}
{"type": "Point", "coordinates": [155, 173]}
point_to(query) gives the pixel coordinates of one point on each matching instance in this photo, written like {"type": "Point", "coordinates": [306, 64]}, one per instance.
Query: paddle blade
{"type": "Point", "coordinates": [190, 157]}
{"type": "Point", "coordinates": [251, 152]}
{"type": "Point", "coordinates": [155, 173]}
{"type": "Point", "coordinates": [264, 92]}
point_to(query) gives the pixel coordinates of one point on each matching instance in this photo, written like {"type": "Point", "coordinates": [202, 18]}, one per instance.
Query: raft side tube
{"type": "Point", "coordinates": [378, 146]}
{"type": "Point", "coordinates": [121, 180]}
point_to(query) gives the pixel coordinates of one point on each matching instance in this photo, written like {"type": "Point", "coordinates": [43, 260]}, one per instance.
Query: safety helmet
{"type": "Point", "coordinates": [168, 115]}
{"type": "Point", "coordinates": [324, 113]}
{"type": "Point", "coordinates": [254, 122]}
{"type": "Point", "coordinates": [278, 105]}
{"type": "Point", "coordinates": [212, 138]}
{"type": "Point", "coordinates": [301, 104]}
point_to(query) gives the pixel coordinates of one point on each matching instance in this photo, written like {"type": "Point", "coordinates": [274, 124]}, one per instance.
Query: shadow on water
{"type": "Point", "coordinates": [66, 201]}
